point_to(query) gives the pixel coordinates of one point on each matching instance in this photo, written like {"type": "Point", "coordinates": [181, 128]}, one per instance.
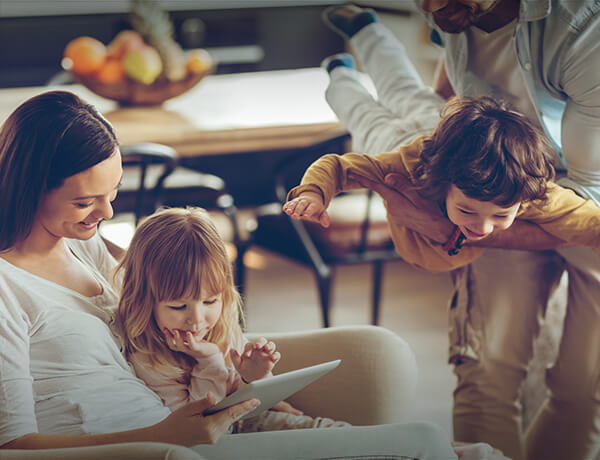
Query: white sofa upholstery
{"type": "Point", "coordinates": [374, 384]}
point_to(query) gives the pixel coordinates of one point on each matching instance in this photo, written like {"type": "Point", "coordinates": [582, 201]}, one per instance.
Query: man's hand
{"type": "Point", "coordinates": [407, 209]}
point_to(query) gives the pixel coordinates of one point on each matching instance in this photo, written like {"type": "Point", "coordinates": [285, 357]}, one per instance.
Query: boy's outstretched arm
{"type": "Point", "coordinates": [308, 206]}
{"type": "Point", "coordinates": [407, 209]}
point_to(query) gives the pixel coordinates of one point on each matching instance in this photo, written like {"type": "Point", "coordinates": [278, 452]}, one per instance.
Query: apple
{"type": "Point", "coordinates": [143, 64]}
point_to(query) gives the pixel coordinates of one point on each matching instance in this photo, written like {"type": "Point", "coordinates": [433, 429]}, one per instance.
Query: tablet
{"type": "Point", "coordinates": [271, 390]}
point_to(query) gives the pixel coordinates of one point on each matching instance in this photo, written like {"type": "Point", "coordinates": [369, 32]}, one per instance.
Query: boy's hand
{"type": "Point", "coordinates": [188, 343]}
{"type": "Point", "coordinates": [307, 206]}
{"type": "Point", "coordinates": [256, 361]}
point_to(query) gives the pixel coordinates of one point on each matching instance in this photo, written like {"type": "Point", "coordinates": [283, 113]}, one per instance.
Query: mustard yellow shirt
{"type": "Point", "coordinates": [564, 214]}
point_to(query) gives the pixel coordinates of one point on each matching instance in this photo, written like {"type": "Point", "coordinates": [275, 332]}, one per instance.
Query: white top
{"type": "Point", "coordinates": [498, 65]}
{"type": "Point", "coordinates": [61, 368]}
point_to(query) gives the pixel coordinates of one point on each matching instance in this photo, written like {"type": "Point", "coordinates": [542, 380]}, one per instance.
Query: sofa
{"type": "Point", "coordinates": [374, 384]}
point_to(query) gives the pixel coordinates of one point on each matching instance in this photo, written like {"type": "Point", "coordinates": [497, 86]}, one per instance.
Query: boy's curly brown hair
{"type": "Point", "coordinates": [489, 152]}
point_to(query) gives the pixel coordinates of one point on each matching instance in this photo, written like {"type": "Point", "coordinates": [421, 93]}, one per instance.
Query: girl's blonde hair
{"type": "Point", "coordinates": [174, 254]}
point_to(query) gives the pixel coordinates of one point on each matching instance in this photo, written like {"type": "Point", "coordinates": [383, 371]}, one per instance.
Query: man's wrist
{"type": "Point", "coordinates": [522, 235]}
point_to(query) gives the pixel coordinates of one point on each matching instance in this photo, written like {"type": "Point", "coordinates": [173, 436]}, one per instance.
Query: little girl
{"type": "Point", "coordinates": [179, 315]}
{"type": "Point", "coordinates": [483, 165]}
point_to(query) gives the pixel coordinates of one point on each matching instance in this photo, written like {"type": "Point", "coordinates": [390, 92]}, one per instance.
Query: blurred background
{"type": "Point", "coordinates": [242, 35]}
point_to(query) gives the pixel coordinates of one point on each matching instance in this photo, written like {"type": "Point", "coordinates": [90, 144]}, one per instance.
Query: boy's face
{"type": "Point", "coordinates": [477, 219]}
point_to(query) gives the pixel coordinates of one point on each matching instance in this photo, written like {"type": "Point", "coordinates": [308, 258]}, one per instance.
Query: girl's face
{"type": "Point", "coordinates": [75, 209]}
{"type": "Point", "coordinates": [197, 316]}
{"type": "Point", "coordinates": [477, 219]}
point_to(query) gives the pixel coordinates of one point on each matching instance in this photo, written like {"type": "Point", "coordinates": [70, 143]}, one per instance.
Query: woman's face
{"type": "Point", "coordinates": [75, 209]}
{"type": "Point", "coordinates": [477, 219]}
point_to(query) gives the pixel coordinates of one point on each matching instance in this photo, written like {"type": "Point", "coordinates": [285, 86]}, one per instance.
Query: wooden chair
{"type": "Point", "coordinates": [361, 239]}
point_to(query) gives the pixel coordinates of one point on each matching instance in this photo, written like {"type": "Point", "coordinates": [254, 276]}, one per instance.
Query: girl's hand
{"type": "Point", "coordinates": [191, 345]}
{"type": "Point", "coordinates": [256, 361]}
{"type": "Point", "coordinates": [307, 206]}
{"type": "Point", "coordinates": [188, 425]}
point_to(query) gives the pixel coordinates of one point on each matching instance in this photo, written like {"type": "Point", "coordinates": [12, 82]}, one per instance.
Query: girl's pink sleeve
{"type": "Point", "coordinates": [210, 374]}
{"type": "Point", "coordinates": [172, 393]}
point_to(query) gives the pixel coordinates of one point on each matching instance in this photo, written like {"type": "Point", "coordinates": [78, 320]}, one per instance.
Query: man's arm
{"type": "Point", "coordinates": [521, 235]}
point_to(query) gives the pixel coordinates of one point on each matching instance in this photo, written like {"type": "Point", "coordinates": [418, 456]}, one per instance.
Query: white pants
{"type": "Point", "coordinates": [395, 441]}
{"type": "Point", "coordinates": [405, 108]}
{"type": "Point", "coordinates": [495, 315]}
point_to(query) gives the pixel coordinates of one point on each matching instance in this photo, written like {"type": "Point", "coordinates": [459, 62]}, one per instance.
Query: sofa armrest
{"type": "Point", "coordinates": [374, 384]}
{"type": "Point", "coordinates": [124, 451]}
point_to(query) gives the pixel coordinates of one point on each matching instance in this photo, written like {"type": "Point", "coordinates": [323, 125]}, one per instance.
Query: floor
{"type": "Point", "coordinates": [282, 296]}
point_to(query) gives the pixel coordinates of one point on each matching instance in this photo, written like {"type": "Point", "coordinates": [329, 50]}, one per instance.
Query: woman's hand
{"type": "Point", "coordinates": [256, 361]}
{"type": "Point", "coordinates": [307, 206]}
{"type": "Point", "coordinates": [188, 343]}
{"type": "Point", "coordinates": [188, 425]}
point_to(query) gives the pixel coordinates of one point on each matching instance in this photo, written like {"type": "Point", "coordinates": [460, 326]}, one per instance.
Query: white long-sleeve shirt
{"type": "Point", "coordinates": [61, 368]}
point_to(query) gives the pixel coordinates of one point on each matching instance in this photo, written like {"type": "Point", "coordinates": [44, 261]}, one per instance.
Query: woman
{"type": "Point", "coordinates": [63, 379]}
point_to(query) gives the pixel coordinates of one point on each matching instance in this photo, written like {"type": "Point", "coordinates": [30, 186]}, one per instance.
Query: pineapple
{"type": "Point", "coordinates": [150, 20]}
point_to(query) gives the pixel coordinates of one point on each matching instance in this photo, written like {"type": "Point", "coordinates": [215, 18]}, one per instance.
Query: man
{"type": "Point", "coordinates": [543, 57]}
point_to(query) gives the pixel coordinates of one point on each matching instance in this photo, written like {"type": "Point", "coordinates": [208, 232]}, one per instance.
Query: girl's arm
{"type": "Point", "coordinates": [210, 374]}
{"type": "Point", "coordinates": [173, 393]}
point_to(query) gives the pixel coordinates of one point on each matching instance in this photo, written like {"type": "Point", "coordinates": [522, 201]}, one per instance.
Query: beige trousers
{"type": "Point", "coordinates": [495, 315]}
{"type": "Point", "coordinates": [404, 109]}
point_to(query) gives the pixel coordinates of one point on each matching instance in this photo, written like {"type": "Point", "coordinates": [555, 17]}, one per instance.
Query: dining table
{"type": "Point", "coordinates": [241, 127]}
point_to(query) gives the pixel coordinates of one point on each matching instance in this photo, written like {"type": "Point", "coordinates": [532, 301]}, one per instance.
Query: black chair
{"type": "Point", "coordinates": [152, 178]}
{"type": "Point", "coordinates": [362, 240]}
{"type": "Point", "coordinates": [145, 168]}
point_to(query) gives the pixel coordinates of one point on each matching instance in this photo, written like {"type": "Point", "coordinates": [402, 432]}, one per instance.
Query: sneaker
{"type": "Point", "coordinates": [338, 60]}
{"type": "Point", "coordinates": [347, 20]}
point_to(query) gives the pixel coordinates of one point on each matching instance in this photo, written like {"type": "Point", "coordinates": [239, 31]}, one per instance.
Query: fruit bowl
{"type": "Point", "coordinates": [131, 92]}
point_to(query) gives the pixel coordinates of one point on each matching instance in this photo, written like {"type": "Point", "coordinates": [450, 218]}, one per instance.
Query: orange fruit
{"type": "Point", "coordinates": [198, 61]}
{"type": "Point", "coordinates": [85, 55]}
{"type": "Point", "coordinates": [124, 41]}
{"type": "Point", "coordinates": [111, 71]}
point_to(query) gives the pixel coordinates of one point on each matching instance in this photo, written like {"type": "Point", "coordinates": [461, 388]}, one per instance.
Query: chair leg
{"type": "Point", "coordinates": [377, 280]}
{"type": "Point", "coordinates": [324, 283]}
{"type": "Point", "coordinates": [240, 269]}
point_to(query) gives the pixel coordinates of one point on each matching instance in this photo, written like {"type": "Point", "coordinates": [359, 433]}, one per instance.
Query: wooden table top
{"type": "Point", "coordinates": [223, 114]}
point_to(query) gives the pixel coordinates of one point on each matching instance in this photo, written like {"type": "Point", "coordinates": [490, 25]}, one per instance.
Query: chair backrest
{"type": "Point", "coordinates": [145, 168]}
